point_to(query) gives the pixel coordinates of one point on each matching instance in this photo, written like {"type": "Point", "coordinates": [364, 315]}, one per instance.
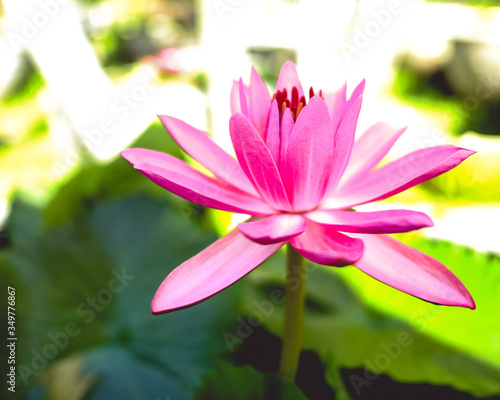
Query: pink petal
{"type": "Point", "coordinates": [235, 98]}
{"type": "Point", "coordinates": [182, 180]}
{"type": "Point", "coordinates": [289, 78]}
{"type": "Point", "coordinates": [243, 91]}
{"type": "Point", "coordinates": [356, 93]}
{"type": "Point", "coordinates": [274, 229]}
{"type": "Point", "coordinates": [399, 175]}
{"type": "Point", "coordinates": [257, 162]}
{"type": "Point", "coordinates": [326, 246]}
{"type": "Point", "coordinates": [370, 149]}
{"type": "Point", "coordinates": [343, 143]}
{"type": "Point", "coordinates": [286, 128]}
{"type": "Point", "coordinates": [137, 156]}
{"type": "Point", "coordinates": [336, 104]}
{"type": "Point", "coordinates": [259, 101]}
{"type": "Point", "coordinates": [390, 221]}
{"type": "Point", "coordinates": [204, 150]}
{"type": "Point", "coordinates": [411, 271]}
{"type": "Point", "coordinates": [272, 136]}
{"type": "Point", "coordinates": [309, 156]}
{"type": "Point", "coordinates": [210, 271]}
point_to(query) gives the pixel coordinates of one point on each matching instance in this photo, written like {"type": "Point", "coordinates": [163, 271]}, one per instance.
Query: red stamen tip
{"type": "Point", "coordinates": [311, 92]}
{"type": "Point", "coordinates": [295, 97]}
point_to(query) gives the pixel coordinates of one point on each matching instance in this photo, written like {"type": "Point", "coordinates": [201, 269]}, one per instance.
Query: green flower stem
{"type": "Point", "coordinates": [294, 313]}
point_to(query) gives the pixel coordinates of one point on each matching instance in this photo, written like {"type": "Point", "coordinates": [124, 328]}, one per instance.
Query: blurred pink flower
{"type": "Point", "coordinates": [298, 172]}
{"type": "Point", "coordinates": [169, 60]}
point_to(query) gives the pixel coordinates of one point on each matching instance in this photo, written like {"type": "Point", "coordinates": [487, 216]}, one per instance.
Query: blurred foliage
{"type": "Point", "coordinates": [126, 44]}
{"type": "Point", "coordinates": [420, 90]}
{"type": "Point", "coordinates": [137, 31]}
{"type": "Point", "coordinates": [26, 82]}
{"type": "Point", "coordinates": [22, 119]}
{"type": "Point", "coordinates": [431, 92]}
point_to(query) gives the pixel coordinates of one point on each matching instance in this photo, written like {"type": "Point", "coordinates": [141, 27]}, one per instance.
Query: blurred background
{"type": "Point", "coordinates": [85, 240]}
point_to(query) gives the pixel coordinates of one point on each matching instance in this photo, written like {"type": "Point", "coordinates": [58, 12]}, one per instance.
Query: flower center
{"type": "Point", "coordinates": [295, 104]}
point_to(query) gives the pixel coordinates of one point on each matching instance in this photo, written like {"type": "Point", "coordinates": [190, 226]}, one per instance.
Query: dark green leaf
{"type": "Point", "coordinates": [86, 289]}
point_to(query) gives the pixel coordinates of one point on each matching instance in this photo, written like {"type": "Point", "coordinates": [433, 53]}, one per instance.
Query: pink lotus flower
{"type": "Point", "coordinates": [298, 172]}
